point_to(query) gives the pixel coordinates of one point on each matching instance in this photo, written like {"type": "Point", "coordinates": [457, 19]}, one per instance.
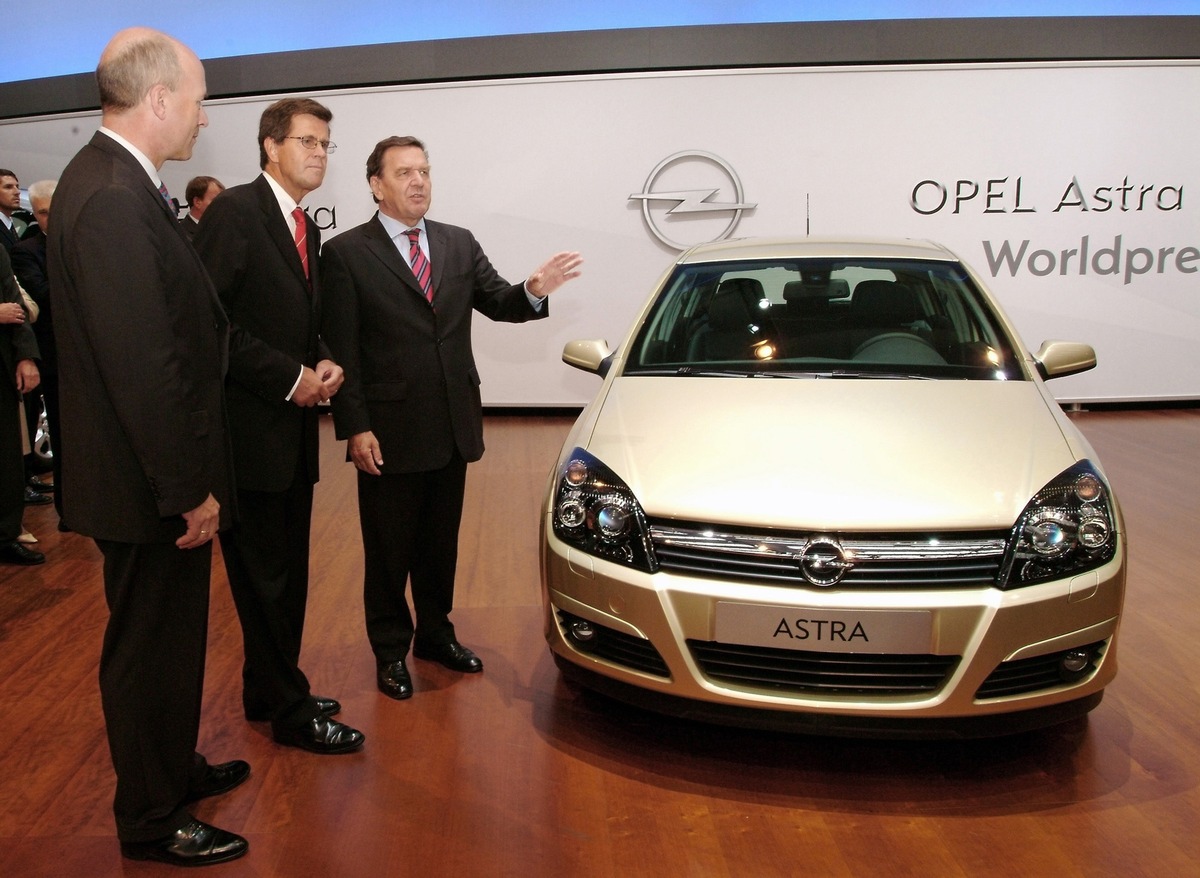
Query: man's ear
{"type": "Point", "coordinates": [157, 97]}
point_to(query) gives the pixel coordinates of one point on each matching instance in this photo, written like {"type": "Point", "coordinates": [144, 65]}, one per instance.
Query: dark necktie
{"type": "Point", "coordinates": [420, 265]}
{"type": "Point", "coordinates": [301, 238]}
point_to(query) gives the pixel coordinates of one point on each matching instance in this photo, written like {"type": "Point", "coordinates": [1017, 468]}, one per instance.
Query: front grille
{"type": "Point", "coordinates": [935, 561]}
{"type": "Point", "coordinates": [615, 646]}
{"type": "Point", "coordinates": [825, 673]}
{"type": "Point", "coordinates": [1023, 676]}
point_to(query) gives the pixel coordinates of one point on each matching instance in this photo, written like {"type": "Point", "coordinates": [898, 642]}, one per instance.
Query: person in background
{"type": "Point", "coordinates": [400, 290]}
{"type": "Point", "coordinates": [142, 351]}
{"type": "Point", "coordinates": [29, 264]}
{"type": "Point", "coordinates": [200, 192]}
{"type": "Point", "coordinates": [18, 353]}
{"type": "Point", "coordinates": [10, 202]}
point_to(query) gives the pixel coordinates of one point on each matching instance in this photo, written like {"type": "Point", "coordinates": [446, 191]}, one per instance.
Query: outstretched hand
{"type": "Point", "coordinates": [556, 271]}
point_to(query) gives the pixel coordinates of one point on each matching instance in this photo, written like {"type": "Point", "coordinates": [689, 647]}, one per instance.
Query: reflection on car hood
{"type": "Point", "coordinates": [831, 455]}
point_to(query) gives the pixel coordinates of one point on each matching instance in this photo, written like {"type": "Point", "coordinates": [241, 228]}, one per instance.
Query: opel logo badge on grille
{"type": "Point", "coordinates": [823, 562]}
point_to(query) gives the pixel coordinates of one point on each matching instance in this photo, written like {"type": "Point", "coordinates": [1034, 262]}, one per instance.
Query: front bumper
{"type": "Point", "coordinates": [991, 662]}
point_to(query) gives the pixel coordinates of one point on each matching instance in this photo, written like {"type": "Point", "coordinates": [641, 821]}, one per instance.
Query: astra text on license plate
{"type": "Point", "coordinates": [873, 631]}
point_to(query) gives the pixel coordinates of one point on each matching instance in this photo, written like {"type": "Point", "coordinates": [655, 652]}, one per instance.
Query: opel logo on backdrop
{"type": "Point", "coordinates": [694, 169]}
{"type": "Point", "coordinates": [823, 561]}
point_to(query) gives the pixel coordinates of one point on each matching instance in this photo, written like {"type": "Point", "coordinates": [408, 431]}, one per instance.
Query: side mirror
{"type": "Point", "coordinates": [588, 354]}
{"type": "Point", "coordinates": [1056, 359]}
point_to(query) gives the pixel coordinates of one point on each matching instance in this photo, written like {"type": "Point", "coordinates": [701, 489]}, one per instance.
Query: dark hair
{"type": "Point", "coordinates": [5, 172]}
{"type": "Point", "coordinates": [276, 121]}
{"type": "Point", "coordinates": [375, 159]}
{"type": "Point", "coordinates": [197, 186]}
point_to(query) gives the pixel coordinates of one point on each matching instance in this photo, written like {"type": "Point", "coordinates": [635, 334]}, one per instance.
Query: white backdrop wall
{"type": "Point", "coordinates": [1070, 187]}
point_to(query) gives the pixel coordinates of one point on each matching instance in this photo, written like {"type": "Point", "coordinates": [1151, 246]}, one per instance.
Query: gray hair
{"type": "Point", "coordinates": [130, 69]}
{"type": "Point", "coordinates": [42, 190]}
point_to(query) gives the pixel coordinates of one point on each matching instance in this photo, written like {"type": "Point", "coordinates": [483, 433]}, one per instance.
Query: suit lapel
{"type": "Point", "coordinates": [437, 252]}
{"type": "Point", "coordinates": [382, 246]}
{"type": "Point", "coordinates": [125, 158]}
{"type": "Point", "coordinates": [278, 232]}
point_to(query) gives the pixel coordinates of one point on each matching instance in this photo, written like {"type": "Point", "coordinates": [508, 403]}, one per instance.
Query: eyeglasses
{"type": "Point", "coordinates": [310, 142]}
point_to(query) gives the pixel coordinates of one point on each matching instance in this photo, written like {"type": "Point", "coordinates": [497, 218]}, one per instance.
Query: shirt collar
{"type": "Point", "coordinates": [286, 203]}
{"type": "Point", "coordinates": [396, 229]}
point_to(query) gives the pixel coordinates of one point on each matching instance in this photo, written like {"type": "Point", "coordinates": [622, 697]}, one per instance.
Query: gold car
{"type": "Point", "coordinates": [823, 486]}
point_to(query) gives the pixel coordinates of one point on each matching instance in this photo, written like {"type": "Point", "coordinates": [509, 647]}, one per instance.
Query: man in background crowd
{"type": "Point", "coordinates": [29, 264]}
{"type": "Point", "coordinates": [18, 375]}
{"type": "Point", "coordinates": [200, 192]}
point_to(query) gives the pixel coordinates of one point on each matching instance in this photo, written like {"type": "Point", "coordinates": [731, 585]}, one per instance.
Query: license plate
{"type": "Point", "coordinates": [869, 631]}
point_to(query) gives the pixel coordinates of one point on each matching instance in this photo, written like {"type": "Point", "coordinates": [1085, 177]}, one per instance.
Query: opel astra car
{"type": "Point", "coordinates": [823, 486]}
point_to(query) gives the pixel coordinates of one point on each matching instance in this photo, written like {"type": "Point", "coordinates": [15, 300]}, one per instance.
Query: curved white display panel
{"type": "Point", "coordinates": [1070, 187]}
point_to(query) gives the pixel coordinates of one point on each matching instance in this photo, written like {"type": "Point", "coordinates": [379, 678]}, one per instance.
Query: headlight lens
{"type": "Point", "coordinates": [1067, 528]}
{"type": "Point", "coordinates": [595, 511]}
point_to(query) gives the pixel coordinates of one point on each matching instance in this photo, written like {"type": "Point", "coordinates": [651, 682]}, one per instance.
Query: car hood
{"type": "Point", "coordinates": [831, 454]}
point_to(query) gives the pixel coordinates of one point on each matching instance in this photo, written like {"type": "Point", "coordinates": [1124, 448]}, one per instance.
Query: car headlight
{"type": "Point", "coordinates": [1068, 527]}
{"type": "Point", "coordinates": [595, 511]}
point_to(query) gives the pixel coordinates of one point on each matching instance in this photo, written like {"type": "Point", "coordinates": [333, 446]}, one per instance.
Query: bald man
{"type": "Point", "coordinates": [142, 347]}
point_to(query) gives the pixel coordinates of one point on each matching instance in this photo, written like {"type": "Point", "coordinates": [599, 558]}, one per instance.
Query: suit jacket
{"type": "Point", "coordinates": [189, 225]}
{"type": "Point", "coordinates": [411, 377]}
{"type": "Point", "coordinates": [275, 317]}
{"type": "Point", "coordinates": [8, 237]}
{"type": "Point", "coordinates": [29, 264]}
{"type": "Point", "coordinates": [142, 348]}
{"type": "Point", "coordinates": [17, 341]}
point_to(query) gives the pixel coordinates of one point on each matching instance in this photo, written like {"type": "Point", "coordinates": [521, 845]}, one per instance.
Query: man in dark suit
{"type": "Point", "coordinates": [18, 375]}
{"type": "Point", "coordinates": [199, 193]}
{"type": "Point", "coordinates": [400, 291]}
{"type": "Point", "coordinates": [10, 203]}
{"type": "Point", "coordinates": [261, 252]}
{"type": "Point", "coordinates": [142, 345]}
{"type": "Point", "coordinates": [29, 264]}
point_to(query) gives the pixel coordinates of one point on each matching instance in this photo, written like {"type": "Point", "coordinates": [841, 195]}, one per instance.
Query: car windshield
{"type": "Point", "coordinates": [824, 318]}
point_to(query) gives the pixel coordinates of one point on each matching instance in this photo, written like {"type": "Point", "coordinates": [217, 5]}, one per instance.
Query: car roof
{"type": "Point", "coordinates": [817, 248]}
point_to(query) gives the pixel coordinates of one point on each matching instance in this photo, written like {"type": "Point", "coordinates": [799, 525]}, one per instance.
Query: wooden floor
{"type": "Point", "coordinates": [512, 773]}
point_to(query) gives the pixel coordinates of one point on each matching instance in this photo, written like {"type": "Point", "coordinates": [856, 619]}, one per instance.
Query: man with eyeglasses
{"type": "Point", "coordinates": [261, 251]}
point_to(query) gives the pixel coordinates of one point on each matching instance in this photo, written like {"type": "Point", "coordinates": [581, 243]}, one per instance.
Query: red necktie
{"type": "Point", "coordinates": [301, 237]}
{"type": "Point", "coordinates": [420, 265]}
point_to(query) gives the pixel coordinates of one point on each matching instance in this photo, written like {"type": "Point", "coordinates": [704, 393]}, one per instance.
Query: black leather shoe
{"type": "Point", "coordinates": [328, 706]}
{"type": "Point", "coordinates": [453, 655]}
{"type": "Point", "coordinates": [38, 485]}
{"type": "Point", "coordinates": [196, 844]}
{"type": "Point", "coordinates": [15, 553]}
{"type": "Point", "coordinates": [219, 779]}
{"type": "Point", "coordinates": [322, 735]}
{"type": "Point", "coordinates": [393, 680]}
{"type": "Point", "coordinates": [325, 706]}
{"type": "Point", "coordinates": [36, 498]}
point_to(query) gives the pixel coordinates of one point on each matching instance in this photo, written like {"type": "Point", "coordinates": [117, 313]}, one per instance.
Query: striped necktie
{"type": "Point", "coordinates": [301, 237]}
{"type": "Point", "coordinates": [420, 265]}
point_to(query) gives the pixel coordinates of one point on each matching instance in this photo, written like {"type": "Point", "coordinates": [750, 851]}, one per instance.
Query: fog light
{"type": "Point", "coordinates": [1076, 661]}
{"type": "Point", "coordinates": [581, 632]}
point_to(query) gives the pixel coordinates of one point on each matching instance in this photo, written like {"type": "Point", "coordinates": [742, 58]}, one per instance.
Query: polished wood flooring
{"type": "Point", "coordinates": [513, 773]}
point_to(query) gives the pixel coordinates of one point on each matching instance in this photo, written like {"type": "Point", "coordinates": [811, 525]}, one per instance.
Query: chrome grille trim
{"type": "Point", "coordinates": [937, 562]}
